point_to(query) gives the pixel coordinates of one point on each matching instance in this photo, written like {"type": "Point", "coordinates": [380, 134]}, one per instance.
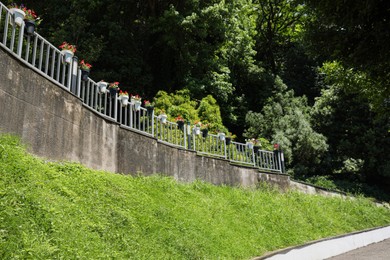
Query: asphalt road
{"type": "Point", "coordinates": [376, 251]}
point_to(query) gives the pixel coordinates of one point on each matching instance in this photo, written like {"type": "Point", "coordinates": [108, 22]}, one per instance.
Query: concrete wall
{"type": "Point", "coordinates": [56, 125]}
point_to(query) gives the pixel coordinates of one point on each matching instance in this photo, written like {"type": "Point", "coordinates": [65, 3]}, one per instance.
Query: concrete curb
{"type": "Point", "coordinates": [326, 248]}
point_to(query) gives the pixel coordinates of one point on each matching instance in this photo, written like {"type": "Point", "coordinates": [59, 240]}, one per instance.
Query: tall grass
{"type": "Point", "coordinates": [64, 210]}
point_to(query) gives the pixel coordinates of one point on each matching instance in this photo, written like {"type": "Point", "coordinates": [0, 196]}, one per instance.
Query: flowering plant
{"type": "Point", "coordinates": [253, 141]}
{"type": "Point", "coordinates": [114, 84]}
{"type": "Point", "coordinates": [204, 126]}
{"type": "Point", "coordinates": [31, 15]}
{"type": "Point", "coordinates": [67, 46]}
{"type": "Point", "coordinates": [197, 123]}
{"type": "Point", "coordinates": [147, 103]}
{"type": "Point", "coordinates": [123, 93]}
{"type": "Point", "coordinates": [136, 97]}
{"type": "Point", "coordinates": [179, 118]}
{"type": "Point", "coordinates": [84, 65]}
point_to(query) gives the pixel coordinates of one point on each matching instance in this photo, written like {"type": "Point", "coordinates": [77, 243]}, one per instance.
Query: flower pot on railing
{"type": "Point", "coordinates": [124, 100]}
{"type": "Point", "coordinates": [196, 130]}
{"type": "Point", "coordinates": [137, 105]}
{"type": "Point", "coordinates": [84, 74]}
{"type": "Point", "coordinates": [221, 136]}
{"type": "Point", "coordinates": [67, 56]}
{"type": "Point", "coordinates": [29, 27]}
{"type": "Point", "coordinates": [18, 16]}
{"type": "Point", "coordinates": [113, 92]}
{"type": "Point", "coordinates": [228, 140]}
{"type": "Point", "coordinates": [102, 87]}
{"type": "Point", "coordinates": [150, 110]}
{"type": "Point", "coordinates": [249, 145]}
{"type": "Point", "coordinates": [163, 118]}
{"type": "Point", "coordinates": [180, 125]}
{"type": "Point", "coordinates": [205, 133]}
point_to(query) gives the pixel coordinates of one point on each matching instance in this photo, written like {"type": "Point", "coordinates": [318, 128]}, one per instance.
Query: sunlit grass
{"type": "Point", "coordinates": [64, 210]}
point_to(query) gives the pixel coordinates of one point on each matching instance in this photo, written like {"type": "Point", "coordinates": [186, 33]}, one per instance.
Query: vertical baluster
{"type": "Point", "coordinates": [41, 55]}
{"type": "Point", "coordinates": [12, 37]}
{"type": "Point", "coordinates": [87, 101]}
{"type": "Point", "coordinates": [58, 55]}
{"type": "Point", "coordinates": [34, 55]}
{"type": "Point", "coordinates": [63, 72]}
{"type": "Point", "coordinates": [26, 56]}
{"type": "Point", "coordinates": [6, 22]}
{"type": "Point", "coordinates": [20, 41]}
{"type": "Point", "coordinates": [47, 59]}
{"type": "Point", "coordinates": [105, 103]}
{"type": "Point", "coordinates": [93, 94]}
{"type": "Point", "coordinates": [1, 13]}
{"type": "Point", "coordinates": [53, 61]}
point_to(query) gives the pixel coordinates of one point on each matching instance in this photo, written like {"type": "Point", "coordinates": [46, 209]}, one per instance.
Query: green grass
{"type": "Point", "coordinates": [64, 210]}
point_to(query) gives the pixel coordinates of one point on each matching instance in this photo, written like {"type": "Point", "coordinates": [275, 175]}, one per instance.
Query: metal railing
{"type": "Point", "coordinates": [47, 60]}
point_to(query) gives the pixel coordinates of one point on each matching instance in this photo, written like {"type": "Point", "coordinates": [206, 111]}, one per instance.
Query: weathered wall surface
{"type": "Point", "coordinates": [56, 125]}
{"type": "Point", "coordinates": [53, 122]}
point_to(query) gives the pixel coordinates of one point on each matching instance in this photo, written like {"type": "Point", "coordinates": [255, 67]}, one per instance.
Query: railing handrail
{"type": "Point", "coordinates": [48, 59]}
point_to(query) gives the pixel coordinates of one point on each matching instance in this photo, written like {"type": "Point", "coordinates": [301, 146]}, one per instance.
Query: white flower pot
{"type": "Point", "coordinates": [137, 104]}
{"type": "Point", "coordinates": [221, 136]}
{"type": "Point", "coordinates": [163, 118]}
{"type": "Point", "coordinates": [124, 100]}
{"type": "Point", "coordinates": [249, 145]}
{"type": "Point", "coordinates": [196, 130]}
{"type": "Point", "coordinates": [67, 56]}
{"type": "Point", "coordinates": [18, 15]}
{"type": "Point", "coordinates": [102, 87]}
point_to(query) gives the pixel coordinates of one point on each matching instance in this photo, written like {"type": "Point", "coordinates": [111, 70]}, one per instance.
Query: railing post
{"type": "Point", "coordinates": [185, 135]}
{"type": "Point", "coordinates": [74, 77]}
{"type": "Point", "coordinates": [6, 22]}
{"type": "Point", "coordinates": [13, 37]}
{"type": "Point", "coordinates": [153, 122]}
{"type": "Point", "coordinates": [131, 115]}
{"type": "Point", "coordinates": [20, 40]}
{"type": "Point", "coordinates": [194, 140]}
{"type": "Point", "coordinates": [78, 92]}
{"type": "Point", "coordinates": [115, 106]}
{"type": "Point", "coordinates": [70, 72]}
{"type": "Point", "coordinates": [282, 161]}
{"type": "Point", "coordinates": [224, 143]}
{"type": "Point", "coordinates": [254, 158]}
{"type": "Point", "coordinates": [188, 132]}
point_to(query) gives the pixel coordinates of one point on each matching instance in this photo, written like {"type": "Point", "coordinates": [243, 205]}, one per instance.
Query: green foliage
{"type": "Point", "coordinates": [286, 119]}
{"type": "Point", "coordinates": [63, 210]}
{"type": "Point", "coordinates": [178, 104]}
{"type": "Point", "coordinates": [357, 133]}
{"type": "Point", "coordinates": [209, 113]}
{"type": "Point", "coordinates": [234, 51]}
{"type": "Point", "coordinates": [355, 33]}
{"type": "Point", "coordinates": [322, 181]}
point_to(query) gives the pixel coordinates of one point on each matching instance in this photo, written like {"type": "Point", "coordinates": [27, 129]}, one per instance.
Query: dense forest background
{"type": "Point", "coordinates": [311, 75]}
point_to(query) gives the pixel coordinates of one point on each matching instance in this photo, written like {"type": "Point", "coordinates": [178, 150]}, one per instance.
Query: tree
{"type": "Point", "coordinates": [278, 24]}
{"type": "Point", "coordinates": [286, 119]}
{"type": "Point", "coordinates": [358, 137]}
{"type": "Point", "coordinates": [357, 34]}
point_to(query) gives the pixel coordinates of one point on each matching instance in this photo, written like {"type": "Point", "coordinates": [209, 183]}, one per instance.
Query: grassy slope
{"type": "Point", "coordinates": [64, 210]}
